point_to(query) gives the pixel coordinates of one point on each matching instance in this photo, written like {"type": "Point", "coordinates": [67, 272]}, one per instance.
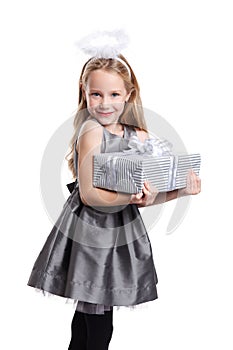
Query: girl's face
{"type": "Point", "coordinates": [106, 96]}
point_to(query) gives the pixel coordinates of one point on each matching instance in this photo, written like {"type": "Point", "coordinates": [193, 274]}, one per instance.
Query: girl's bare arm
{"type": "Point", "coordinates": [89, 144]}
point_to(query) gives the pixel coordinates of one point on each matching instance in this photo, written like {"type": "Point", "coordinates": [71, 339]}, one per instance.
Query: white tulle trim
{"type": "Point", "coordinates": [74, 302]}
{"type": "Point", "coordinates": [54, 296]}
{"type": "Point", "coordinates": [132, 307]}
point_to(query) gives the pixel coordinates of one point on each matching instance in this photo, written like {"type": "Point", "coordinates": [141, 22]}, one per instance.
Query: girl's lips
{"type": "Point", "coordinates": [105, 114]}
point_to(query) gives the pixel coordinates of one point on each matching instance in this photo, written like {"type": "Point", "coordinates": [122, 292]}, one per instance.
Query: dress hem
{"type": "Point", "coordinates": [94, 308]}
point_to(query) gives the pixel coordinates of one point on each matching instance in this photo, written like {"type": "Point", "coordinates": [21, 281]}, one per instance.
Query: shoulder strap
{"type": "Point", "coordinates": [75, 158]}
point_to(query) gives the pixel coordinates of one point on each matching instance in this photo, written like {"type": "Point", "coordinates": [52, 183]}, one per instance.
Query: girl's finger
{"type": "Point", "coordinates": [196, 184]}
{"type": "Point", "coordinates": [193, 182]}
{"type": "Point", "coordinates": [147, 185]}
{"type": "Point", "coordinates": [198, 181]}
{"type": "Point", "coordinates": [139, 195]}
{"type": "Point", "coordinates": [145, 190]}
{"type": "Point", "coordinates": [188, 185]}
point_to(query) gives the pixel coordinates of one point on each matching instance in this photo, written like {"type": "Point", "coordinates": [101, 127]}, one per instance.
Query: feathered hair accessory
{"type": "Point", "coordinates": [105, 44]}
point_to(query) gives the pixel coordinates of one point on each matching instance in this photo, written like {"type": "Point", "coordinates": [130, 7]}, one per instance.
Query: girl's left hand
{"type": "Point", "coordinates": [193, 185]}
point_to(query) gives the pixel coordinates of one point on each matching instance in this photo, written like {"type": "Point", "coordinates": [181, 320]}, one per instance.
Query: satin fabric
{"type": "Point", "coordinates": [98, 255]}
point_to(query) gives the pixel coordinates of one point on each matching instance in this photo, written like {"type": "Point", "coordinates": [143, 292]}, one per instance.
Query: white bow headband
{"type": "Point", "coordinates": [105, 44]}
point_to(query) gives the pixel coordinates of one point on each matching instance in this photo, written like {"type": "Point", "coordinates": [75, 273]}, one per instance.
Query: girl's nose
{"type": "Point", "coordinates": [105, 102]}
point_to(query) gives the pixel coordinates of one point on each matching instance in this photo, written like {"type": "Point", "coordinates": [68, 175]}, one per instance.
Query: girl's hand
{"type": "Point", "coordinates": [193, 185]}
{"type": "Point", "coordinates": [146, 197]}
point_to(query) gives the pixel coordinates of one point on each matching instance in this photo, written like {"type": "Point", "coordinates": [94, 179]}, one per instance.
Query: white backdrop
{"type": "Point", "coordinates": [181, 52]}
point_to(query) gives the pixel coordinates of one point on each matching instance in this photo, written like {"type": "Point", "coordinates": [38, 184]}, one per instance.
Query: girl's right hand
{"type": "Point", "coordinates": [146, 197]}
{"type": "Point", "coordinates": [136, 198]}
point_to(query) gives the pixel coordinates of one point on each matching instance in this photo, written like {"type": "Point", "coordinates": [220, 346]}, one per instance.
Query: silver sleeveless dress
{"type": "Point", "coordinates": [99, 257]}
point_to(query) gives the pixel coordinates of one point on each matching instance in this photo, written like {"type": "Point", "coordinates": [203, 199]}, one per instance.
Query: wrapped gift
{"type": "Point", "coordinates": [152, 161]}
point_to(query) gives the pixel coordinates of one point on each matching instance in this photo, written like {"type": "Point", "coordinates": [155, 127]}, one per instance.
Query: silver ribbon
{"type": "Point", "coordinates": [152, 146]}
{"type": "Point", "coordinates": [111, 172]}
{"type": "Point", "coordinates": [170, 174]}
{"type": "Point", "coordinates": [175, 165]}
{"type": "Point", "coordinates": [158, 148]}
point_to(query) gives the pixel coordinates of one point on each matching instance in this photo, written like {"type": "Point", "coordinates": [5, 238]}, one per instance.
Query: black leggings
{"type": "Point", "coordinates": [91, 331]}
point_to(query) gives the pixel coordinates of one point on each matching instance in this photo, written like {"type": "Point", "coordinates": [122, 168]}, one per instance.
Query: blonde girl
{"type": "Point", "coordinates": [98, 253]}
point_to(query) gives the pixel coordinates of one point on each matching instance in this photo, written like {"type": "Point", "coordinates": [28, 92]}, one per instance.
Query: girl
{"type": "Point", "coordinates": [98, 252]}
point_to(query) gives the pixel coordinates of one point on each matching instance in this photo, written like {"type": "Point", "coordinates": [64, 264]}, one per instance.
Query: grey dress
{"type": "Point", "coordinates": [98, 256]}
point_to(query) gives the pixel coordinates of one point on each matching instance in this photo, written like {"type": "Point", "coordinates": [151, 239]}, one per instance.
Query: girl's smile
{"type": "Point", "coordinates": [104, 114]}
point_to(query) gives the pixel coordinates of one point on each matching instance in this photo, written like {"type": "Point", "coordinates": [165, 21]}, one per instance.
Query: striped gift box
{"type": "Point", "coordinates": [127, 172]}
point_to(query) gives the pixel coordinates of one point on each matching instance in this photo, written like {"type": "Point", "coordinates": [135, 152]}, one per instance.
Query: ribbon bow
{"type": "Point", "coordinates": [152, 146]}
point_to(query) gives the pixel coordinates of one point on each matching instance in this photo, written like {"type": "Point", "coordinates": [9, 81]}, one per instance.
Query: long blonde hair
{"type": "Point", "coordinates": [133, 112]}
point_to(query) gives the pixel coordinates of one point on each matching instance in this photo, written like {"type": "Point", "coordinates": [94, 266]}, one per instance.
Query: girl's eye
{"type": "Point", "coordinates": [95, 94]}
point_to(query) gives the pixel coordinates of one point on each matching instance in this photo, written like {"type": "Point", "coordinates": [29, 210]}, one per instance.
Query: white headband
{"type": "Point", "coordinates": [105, 44]}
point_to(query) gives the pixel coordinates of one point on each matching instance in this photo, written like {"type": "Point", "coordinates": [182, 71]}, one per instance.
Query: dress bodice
{"type": "Point", "coordinates": [110, 142]}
